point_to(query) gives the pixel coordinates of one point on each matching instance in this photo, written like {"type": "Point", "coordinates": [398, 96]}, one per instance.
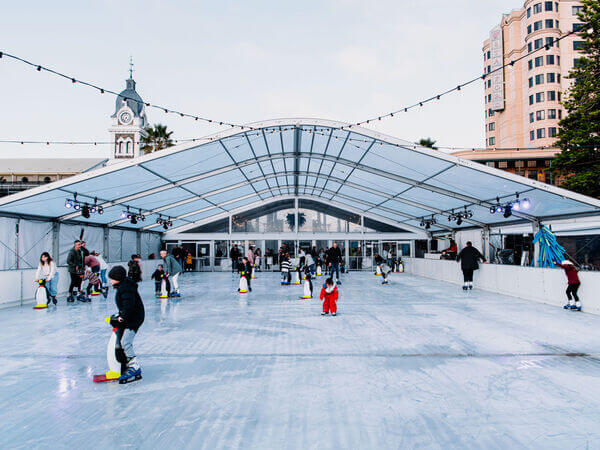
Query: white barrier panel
{"type": "Point", "coordinates": [18, 286]}
{"type": "Point", "coordinates": [529, 283]}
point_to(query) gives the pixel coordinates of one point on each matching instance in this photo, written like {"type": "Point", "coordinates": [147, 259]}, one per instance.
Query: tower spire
{"type": "Point", "coordinates": [131, 67]}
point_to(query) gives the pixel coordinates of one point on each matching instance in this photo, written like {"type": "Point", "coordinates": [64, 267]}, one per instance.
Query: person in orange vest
{"type": "Point", "coordinates": [329, 295]}
{"type": "Point", "coordinates": [188, 262]}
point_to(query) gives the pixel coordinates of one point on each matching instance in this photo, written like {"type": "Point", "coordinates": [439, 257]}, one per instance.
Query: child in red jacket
{"type": "Point", "coordinates": [329, 295]}
{"type": "Point", "coordinates": [573, 284]}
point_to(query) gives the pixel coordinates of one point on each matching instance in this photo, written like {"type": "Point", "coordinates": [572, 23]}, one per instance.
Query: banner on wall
{"type": "Point", "coordinates": [497, 61]}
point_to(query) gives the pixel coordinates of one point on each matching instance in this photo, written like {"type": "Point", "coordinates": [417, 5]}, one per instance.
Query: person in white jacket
{"type": "Point", "coordinates": [47, 271]}
{"type": "Point", "coordinates": [103, 269]}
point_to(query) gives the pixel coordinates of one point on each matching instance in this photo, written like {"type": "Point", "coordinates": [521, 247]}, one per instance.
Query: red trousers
{"type": "Point", "coordinates": [329, 305]}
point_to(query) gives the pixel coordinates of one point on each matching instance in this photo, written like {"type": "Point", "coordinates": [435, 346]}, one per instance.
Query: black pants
{"type": "Point", "coordinates": [75, 282]}
{"type": "Point", "coordinates": [248, 278]}
{"type": "Point", "coordinates": [468, 275]}
{"type": "Point", "coordinates": [158, 285]}
{"type": "Point", "coordinates": [572, 289]}
{"type": "Point", "coordinates": [335, 268]}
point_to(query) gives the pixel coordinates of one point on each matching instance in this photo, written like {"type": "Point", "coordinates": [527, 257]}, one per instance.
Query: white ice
{"type": "Point", "coordinates": [414, 364]}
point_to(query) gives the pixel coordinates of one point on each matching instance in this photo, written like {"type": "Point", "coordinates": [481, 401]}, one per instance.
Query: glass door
{"type": "Point", "coordinates": [203, 260]}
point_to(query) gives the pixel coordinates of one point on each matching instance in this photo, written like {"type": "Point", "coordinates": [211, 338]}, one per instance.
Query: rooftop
{"type": "Point", "coordinates": [47, 165]}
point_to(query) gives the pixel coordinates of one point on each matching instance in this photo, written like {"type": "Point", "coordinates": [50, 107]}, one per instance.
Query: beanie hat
{"type": "Point", "coordinates": [117, 273]}
{"type": "Point", "coordinates": [566, 261]}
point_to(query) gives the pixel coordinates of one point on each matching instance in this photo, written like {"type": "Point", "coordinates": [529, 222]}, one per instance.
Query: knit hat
{"type": "Point", "coordinates": [117, 273]}
{"type": "Point", "coordinates": [566, 261]}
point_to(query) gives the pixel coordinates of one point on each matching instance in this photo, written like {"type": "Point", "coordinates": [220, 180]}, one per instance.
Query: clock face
{"type": "Point", "coordinates": [125, 117]}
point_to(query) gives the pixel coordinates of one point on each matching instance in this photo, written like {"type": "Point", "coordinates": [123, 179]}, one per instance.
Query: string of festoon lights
{"type": "Point", "coordinates": [102, 90]}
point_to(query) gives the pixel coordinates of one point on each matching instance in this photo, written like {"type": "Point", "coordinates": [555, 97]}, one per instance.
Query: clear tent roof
{"type": "Point", "coordinates": [355, 169]}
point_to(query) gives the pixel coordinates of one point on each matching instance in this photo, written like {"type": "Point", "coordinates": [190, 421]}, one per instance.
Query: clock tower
{"type": "Point", "coordinates": [128, 122]}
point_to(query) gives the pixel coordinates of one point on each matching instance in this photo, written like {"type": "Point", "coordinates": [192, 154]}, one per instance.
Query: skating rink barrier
{"type": "Point", "coordinates": [530, 283]}
{"type": "Point", "coordinates": [18, 287]}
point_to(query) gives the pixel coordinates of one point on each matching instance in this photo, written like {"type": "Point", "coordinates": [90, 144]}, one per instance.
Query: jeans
{"type": "Point", "coordinates": [335, 267]}
{"type": "Point", "coordinates": [52, 285]}
{"type": "Point", "coordinates": [103, 276]}
{"type": "Point", "coordinates": [312, 268]}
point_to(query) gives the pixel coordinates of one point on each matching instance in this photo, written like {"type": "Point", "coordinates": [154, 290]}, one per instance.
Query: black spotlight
{"type": "Point", "coordinates": [459, 221]}
{"type": "Point", "coordinates": [165, 226]}
{"type": "Point", "coordinates": [133, 219]}
{"type": "Point", "coordinates": [100, 210]}
{"type": "Point", "coordinates": [85, 211]}
{"type": "Point", "coordinates": [507, 211]}
{"type": "Point", "coordinates": [427, 225]}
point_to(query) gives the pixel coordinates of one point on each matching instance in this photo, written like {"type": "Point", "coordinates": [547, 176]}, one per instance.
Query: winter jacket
{"type": "Point", "coordinates": [334, 255]}
{"type": "Point", "coordinates": [250, 256]}
{"type": "Point", "coordinates": [172, 266]}
{"type": "Point", "coordinates": [331, 296]}
{"type": "Point", "coordinates": [91, 261]}
{"type": "Point", "coordinates": [246, 268]}
{"type": "Point", "coordinates": [75, 261]}
{"type": "Point", "coordinates": [135, 271]}
{"type": "Point", "coordinates": [158, 275]}
{"type": "Point", "coordinates": [92, 277]}
{"type": "Point", "coordinates": [129, 303]}
{"type": "Point", "coordinates": [571, 272]}
{"type": "Point", "coordinates": [469, 257]}
{"type": "Point", "coordinates": [378, 260]}
{"type": "Point", "coordinates": [309, 261]}
{"type": "Point", "coordinates": [45, 271]}
{"type": "Point", "coordinates": [286, 265]}
{"type": "Point", "coordinates": [103, 265]}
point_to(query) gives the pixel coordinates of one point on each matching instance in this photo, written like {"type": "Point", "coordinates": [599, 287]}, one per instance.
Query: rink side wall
{"type": "Point", "coordinates": [529, 283]}
{"type": "Point", "coordinates": [18, 286]}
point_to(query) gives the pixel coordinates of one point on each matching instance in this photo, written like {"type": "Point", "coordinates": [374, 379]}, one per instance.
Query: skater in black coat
{"type": "Point", "coordinates": [469, 258]}
{"type": "Point", "coordinates": [245, 267]}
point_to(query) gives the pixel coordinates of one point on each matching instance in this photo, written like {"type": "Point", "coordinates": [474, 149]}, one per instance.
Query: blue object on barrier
{"type": "Point", "coordinates": [550, 250]}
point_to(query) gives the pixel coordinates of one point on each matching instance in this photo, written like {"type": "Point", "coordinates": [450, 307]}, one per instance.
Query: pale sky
{"type": "Point", "coordinates": [243, 62]}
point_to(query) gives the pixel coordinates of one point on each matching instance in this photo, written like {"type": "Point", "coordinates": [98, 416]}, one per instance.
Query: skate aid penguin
{"type": "Point", "coordinates": [245, 271]}
{"type": "Point", "coordinates": [127, 322]}
{"type": "Point", "coordinates": [308, 287]}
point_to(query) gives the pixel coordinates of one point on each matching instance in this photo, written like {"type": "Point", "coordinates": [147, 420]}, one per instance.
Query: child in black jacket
{"type": "Point", "coordinates": [159, 275]}
{"type": "Point", "coordinates": [127, 322]}
{"type": "Point", "coordinates": [245, 267]}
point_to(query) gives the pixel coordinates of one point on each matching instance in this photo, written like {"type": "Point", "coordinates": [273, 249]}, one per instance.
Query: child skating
{"type": "Point", "coordinates": [127, 322]}
{"type": "Point", "coordinates": [158, 276]}
{"type": "Point", "coordinates": [573, 285]}
{"type": "Point", "coordinates": [329, 296]}
{"type": "Point", "coordinates": [245, 270]}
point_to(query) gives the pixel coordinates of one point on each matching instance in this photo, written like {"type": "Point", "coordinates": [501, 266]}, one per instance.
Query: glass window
{"type": "Point", "coordinates": [576, 62]}
{"type": "Point", "coordinates": [539, 61]}
{"type": "Point", "coordinates": [550, 42]}
{"type": "Point", "coordinates": [551, 114]}
{"type": "Point", "coordinates": [531, 99]}
{"type": "Point", "coordinates": [502, 165]}
{"type": "Point", "coordinates": [549, 23]}
{"type": "Point", "coordinates": [537, 8]}
{"type": "Point", "coordinates": [530, 64]}
{"type": "Point", "coordinates": [538, 43]}
{"type": "Point", "coordinates": [550, 60]}
{"type": "Point", "coordinates": [492, 126]}
{"type": "Point", "coordinates": [489, 98]}
{"type": "Point", "coordinates": [539, 79]}
{"type": "Point", "coordinates": [489, 54]}
{"type": "Point", "coordinates": [531, 117]}
{"type": "Point", "coordinates": [528, 12]}
{"type": "Point", "coordinates": [539, 97]}
{"type": "Point", "coordinates": [541, 133]}
{"type": "Point", "coordinates": [550, 77]}
{"type": "Point", "coordinates": [489, 82]}
{"type": "Point", "coordinates": [558, 60]}
{"type": "Point", "coordinates": [540, 115]}
{"type": "Point", "coordinates": [551, 96]}
{"type": "Point", "coordinates": [531, 82]}
{"type": "Point", "coordinates": [491, 113]}
{"type": "Point", "coordinates": [529, 47]}
{"type": "Point", "coordinates": [578, 26]}
{"type": "Point", "coordinates": [577, 45]}
{"type": "Point", "coordinates": [537, 25]}
{"type": "Point", "coordinates": [532, 163]}
{"type": "Point", "coordinates": [528, 29]}
{"type": "Point", "coordinates": [532, 135]}
{"type": "Point", "coordinates": [576, 10]}
{"type": "Point", "coordinates": [560, 114]}
{"type": "Point", "coordinates": [552, 132]}
{"type": "Point", "coordinates": [492, 141]}
{"type": "Point", "coordinates": [547, 6]}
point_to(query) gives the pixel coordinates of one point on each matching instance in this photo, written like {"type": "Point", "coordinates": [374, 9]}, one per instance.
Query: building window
{"type": "Point", "coordinates": [550, 60]}
{"type": "Point", "coordinates": [548, 163]}
{"type": "Point", "coordinates": [559, 114]}
{"type": "Point", "coordinates": [578, 45]}
{"type": "Point", "coordinates": [539, 97]}
{"type": "Point", "coordinates": [532, 163]}
{"type": "Point", "coordinates": [530, 64]}
{"type": "Point", "coordinates": [537, 25]}
{"type": "Point", "coordinates": [529, 47]}
{"type": "Point", "coordinates": [539, 61]}
{"type": "Point", "coordinates": [120, 147]}
{"type": "Point", "coordinates": [550, 42]}
{"type": "Point", "coordinates": [502, 164]}
{"type": "Point", "coordinates": [540, 115]}
{"type": "Point", "coordinates": [538, 43]}
{"type": "Point", "coordinates": [556, 26]}
{"type": "Point", "coordinates": [531, 82]}
{"type": "Point", "coordinates": [532, 135]}
{"type": "Point", "coordinates": [24, 180]}
{"type": "Point", "coordinates": [47, 179]}
{"type": "Point", "coordinates": [576, 10]}
{"type": "Point", "coordinates": [551, 96]}
{"type": "Point", "coordinates": [127, 147]}
{"type": "Point", "coordinates": [551, 114]}
{"type": "Point", "coordinates": [528, 29]}
{"type": "Point", "coordinates": [489, 83]}
{"type": "Point", "coordinates": [489, 98]}
{"type": "Point", "coordinates": [531, 99]}
{"type": "Point", "coordinates": [492, 126]}
{"type": "Point", "coordinates": [578, 26]}
{"type": "Point", "coordinates": [550, 78]}
{"type": "Point", "coordinates": [532, 175]}
{"type": "Point", "coordinates": [492, 141]}
{"type": "Point", "coordinates": [547, 6]}
{"type": "Point", "coordinates": [528, 13]}
{"type": "Point", "coordinates": [549, 23]}
{"type": "Point", "coordinates": [541, 133]}
{"type": "Point", "coordinates": [531, 117]}
{"type": "Point", "coordinates": [558, 60]}
{"type": "Point", "coordinates": [576, 62]}
{"type": "Point", "coordinates": [490, 164]}
{"type": "Point", "coordinates": [537, 8]}
{"type": "Point", "coordinates": [552, 132]}
{"type": "Point", "coordinates": [489, 54]}
{"type": "Point", "coordinates": [491, 113]}
{"type": "Point", "coordinates": [539, 79]}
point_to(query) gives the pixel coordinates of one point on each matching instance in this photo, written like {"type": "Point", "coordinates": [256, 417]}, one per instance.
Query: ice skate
{"type": "Point", "coordinates": [323, 313]}
{"type": "Point", "coordinates": [130, 375]}
{"type": "Point", "coordinates": [54, 299]}
{"type": "Point", "coordinates": [175, 294]}
{"type": "Point", "coordinates": [576, 306]}
{"type": "Point", "coordinates": [334, 314]}
{"type": "Point", "coordinates": [70, 299]}
{"type": "Point", "coordinates": [384, 282]}
{"type": "Point", "coordinates": [81, 298]}
{"type": "Point", "coordinates": [568, 306]}
{"type": "Point", "coordinates": [338, 282]}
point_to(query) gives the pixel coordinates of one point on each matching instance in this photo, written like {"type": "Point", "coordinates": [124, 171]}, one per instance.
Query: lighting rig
{"type": "Point", "coordinates": [460, 215]}
{"type": "Point", "coordinates": [85, 208]}
{"type": "Point", "coordinates": [428, 222]}
{"type": "Point", "coordinates": [166, 223]}
{"type": "Point", "coordinates": [132, 216]}
{"type": "Point", "coordinates": [507, 208]}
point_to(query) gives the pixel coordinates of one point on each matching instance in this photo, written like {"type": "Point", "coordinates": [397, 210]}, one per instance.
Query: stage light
{"type": "Point", "coordinates": [100, 210]}
{"type": "Point", "coordinates": [516, 206]}
{"type": "Point", "coordinates": [492, 209]}
{"type": "Point", "coordinates": [165, 226]}
{"type": "Point", "coordinates": [76, 206]}
{"type": "Point", "coordinates": [85, 211]}
{"type": "Point", "coordinates": [124, 215]}
{"type": "Point", "coordinates": [459, 221]}
{"type": "Point", "coordinates": [427, 226]}
{"type": "Point", "coordinates": [507, 211]}
{"type": "Point", "coordinates": [526, 204]}
{"type": "Point", "coordinates": [68, 204]}
{"type": "Point", "coordinates": [499, 208]}
{"type": "Point", "coordinates": [133, 219]}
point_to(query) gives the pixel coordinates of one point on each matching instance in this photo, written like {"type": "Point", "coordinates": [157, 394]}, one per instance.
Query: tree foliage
{"type": "Point", "coordinates": [157, 138]}
{"type": "Point", "coordinates": [578, 164]}
{"type": "Point", "coordinates": [427, 142]}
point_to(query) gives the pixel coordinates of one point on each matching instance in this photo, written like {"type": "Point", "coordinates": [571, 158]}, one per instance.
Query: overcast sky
{"type": "Point", "coordinates": [244, 61]}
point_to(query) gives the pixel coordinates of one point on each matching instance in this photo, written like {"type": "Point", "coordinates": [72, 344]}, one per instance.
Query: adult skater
{"type": "Point", "coordinates": [329, 296]}
{"type": "Point", "coordinates": [573, 284]}
{"type": "Point", "coordinates": [76, 270]}
{"type": "Point", "coordinates": [309, 263]}
{"type": "Point", "coordinates": [47, 271]}
{"type": "Point", "coordinates": [173, 269]}
{"type": "Point", "coordinates": [245, 268]}
{"type": "Point", "coordinates": [250, 255]}
{"type": "Point", "coordinates": [334, 257]}
{"type": "Point", "coordinates": [234, 254]}
{"type": "Point", "coordinates": [469, 258]}
{"type": "Point", "coordinates": [103, 269]}
{"type": "Point", "coordinates": [383, 266]}
{"type": "Point", "coordinates": [135, 271]}
{"type": "Point", "coordinates": [450, 252]}
{"type": "Point", "coordinates": [127, 322]}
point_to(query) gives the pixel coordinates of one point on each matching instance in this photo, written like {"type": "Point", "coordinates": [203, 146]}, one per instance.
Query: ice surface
{"type": "Point", "coordinates": [414, 364]}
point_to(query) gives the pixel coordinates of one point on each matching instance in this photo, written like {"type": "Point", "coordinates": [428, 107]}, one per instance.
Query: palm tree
{"type": "Point", "coordinates": [427, 142]}
{"type": "Point", "coordinates": [291, 219]}
{"type": "Point", "coordinates": [157, 138]}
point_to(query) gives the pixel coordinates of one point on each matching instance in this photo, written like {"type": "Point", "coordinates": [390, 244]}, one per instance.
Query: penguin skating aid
{"type": "Point", "coordinates": [163, 289]}
{"type": "Point", "coordinates": [42, 298]}
{"type": "Point", "coordinates": [114, 366]}
{"type": "Point", "coordinates": [252, 275]}
{"type": "Point", "coordinates": [319, 272]}
{"type": "Point", "coordinates": [378, 271]}
{"type": "Point", "coordinates": [243, 287]}
{"type": "Point", "coordinates": [296, 277]}
{"type": "Point", "coordinates": [307, 294]}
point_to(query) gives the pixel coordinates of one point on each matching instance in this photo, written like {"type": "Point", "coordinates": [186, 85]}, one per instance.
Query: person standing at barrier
{"type": "Point", "coordinates": [234, 254]}
{"type": "Point", "coordinates": [103, 269]}
{"type": "Point", "coordinates": [469, 258]}
{"type": "Point", "coordinates": [47, 271]}
{"type": "Point", "coordinates": [172, 269]}
{"type": "Point", "coordinates": [75, 264]}
{"type": "Point", "coordinates": [334, 257]}
{"type": "Point", "coordinates": [573, 284]}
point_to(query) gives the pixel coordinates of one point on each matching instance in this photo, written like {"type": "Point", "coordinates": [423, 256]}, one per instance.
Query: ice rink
{"type": "Point", "coordinates": [414, 364]}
